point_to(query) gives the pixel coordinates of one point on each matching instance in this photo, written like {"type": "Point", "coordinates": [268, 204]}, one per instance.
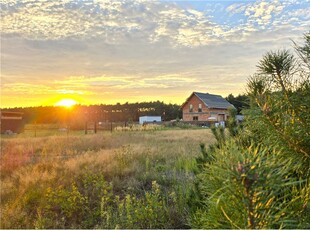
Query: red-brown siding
{"type": "Point", "coordinates": [206, 112]}
{"type": "Point", "coordinates": [11, 121]}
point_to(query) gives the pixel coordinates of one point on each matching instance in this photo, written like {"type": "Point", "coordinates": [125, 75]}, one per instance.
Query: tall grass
{"type": "Point", "coordinates": [104, 180]}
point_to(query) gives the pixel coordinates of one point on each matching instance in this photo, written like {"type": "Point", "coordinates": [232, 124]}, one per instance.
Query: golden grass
{"type": "Point", "coordinates": [124, 157]}
{"type": "Point", "coordinates": [17, 152]}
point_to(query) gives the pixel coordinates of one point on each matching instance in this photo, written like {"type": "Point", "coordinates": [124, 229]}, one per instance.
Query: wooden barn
{"type": "Point", "coordinates": [11, 122]}
{"type": "Point", "coordinates": [205, 107]}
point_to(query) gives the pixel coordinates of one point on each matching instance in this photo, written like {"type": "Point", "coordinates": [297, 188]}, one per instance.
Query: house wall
{"type": "Point", "coordinates": [204, 114]}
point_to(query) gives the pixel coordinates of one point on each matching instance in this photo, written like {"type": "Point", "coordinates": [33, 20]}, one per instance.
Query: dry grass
{"type": "Point", "coordinates": [138, 127]}
{"type": "Point", "coordinates": [17, 152]}
{"type": "Point", "coordinates": [129, 160]}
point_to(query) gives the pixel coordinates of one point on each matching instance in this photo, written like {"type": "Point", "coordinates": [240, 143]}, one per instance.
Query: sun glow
{"type": "Point", "coordinates": [66, 103]}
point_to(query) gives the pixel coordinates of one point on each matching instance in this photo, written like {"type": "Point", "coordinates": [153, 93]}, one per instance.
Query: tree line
{"type": "Point", "coordinates": [126, 112]}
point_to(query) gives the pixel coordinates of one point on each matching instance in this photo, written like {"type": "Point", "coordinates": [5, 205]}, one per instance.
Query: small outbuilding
{"type": "Point", "coordinates": [11, 122]}
{"type": "Point", "coordinates": [149, 119]}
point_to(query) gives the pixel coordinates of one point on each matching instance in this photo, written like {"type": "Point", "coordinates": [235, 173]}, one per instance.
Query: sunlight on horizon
{"type": "Point", "coordinates": [66, 103]}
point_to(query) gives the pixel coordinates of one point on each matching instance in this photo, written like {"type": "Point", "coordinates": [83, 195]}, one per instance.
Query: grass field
{"type": "Point", "coordinates": [133, 179]}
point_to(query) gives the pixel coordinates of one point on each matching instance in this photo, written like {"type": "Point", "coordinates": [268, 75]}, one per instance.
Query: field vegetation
{"type": "Point", "coordinates": [136, 179]}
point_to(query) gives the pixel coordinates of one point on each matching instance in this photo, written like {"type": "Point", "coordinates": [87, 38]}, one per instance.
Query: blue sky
{"type": "Point", "coordinates": [102, 51]}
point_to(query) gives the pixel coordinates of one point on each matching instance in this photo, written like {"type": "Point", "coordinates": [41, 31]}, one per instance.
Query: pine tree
{"type": "Point", "coordinates": [259, 176]}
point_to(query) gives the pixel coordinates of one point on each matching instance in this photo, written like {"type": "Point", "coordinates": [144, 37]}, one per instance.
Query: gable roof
{"type": "Point", "coordinates": [211, 100]}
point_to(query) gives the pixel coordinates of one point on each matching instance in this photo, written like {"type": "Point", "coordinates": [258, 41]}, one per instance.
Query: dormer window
{"type": "Point", "coordinates": [190, 108]}
{"type": "Point", "coordinates": [199, 108]}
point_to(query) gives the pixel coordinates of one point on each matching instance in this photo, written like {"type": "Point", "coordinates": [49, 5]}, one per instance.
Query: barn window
{"type": "Point", "coordinates": [199, 108]}
{"type": "Point", "coordinates": [195, 118]}
{"type": "Point", "coordinates": [190, 108]}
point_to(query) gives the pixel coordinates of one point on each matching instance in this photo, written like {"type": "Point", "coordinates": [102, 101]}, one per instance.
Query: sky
{"type": "Point", "coordinates": [104, 52]}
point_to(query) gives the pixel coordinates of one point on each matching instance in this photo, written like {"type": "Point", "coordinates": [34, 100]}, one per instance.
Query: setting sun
{"type": "Point", "coordinates": [66, 102]}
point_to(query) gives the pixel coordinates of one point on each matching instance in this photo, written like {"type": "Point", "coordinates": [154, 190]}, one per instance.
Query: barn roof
{"type": "Point", "coordinates": [212, 100]}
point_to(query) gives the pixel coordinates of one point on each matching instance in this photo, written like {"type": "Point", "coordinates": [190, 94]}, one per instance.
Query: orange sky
{"type": "Point", "coordinates": [132, 51]}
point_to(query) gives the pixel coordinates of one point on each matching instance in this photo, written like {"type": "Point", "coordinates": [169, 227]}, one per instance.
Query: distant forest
{"type": "Point", "coordinates": [111, 113]}
{"type": "Point", "coordinates": [127, 112]}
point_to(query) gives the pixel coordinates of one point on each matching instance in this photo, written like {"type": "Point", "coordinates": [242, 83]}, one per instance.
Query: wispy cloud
{"type": "Point", "coordinates": [124, 82]}
{"type": "Point", "coordinates": [24, 88]}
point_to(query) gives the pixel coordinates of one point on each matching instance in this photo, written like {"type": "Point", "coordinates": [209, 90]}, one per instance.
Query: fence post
{"type": "Point", "coordinates": [35, 129]}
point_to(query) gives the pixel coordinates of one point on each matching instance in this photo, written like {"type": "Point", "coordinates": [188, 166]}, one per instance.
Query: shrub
{"type": "Point", "coordinates": [149, 211]}
{"type": "Point", "coordinates": [74, 206]}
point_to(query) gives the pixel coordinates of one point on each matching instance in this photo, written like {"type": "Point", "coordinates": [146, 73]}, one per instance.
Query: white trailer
{"type": "Point", "coordinates": [149, 119]}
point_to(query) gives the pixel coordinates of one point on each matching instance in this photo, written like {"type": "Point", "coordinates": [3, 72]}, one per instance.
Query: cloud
{"type": "Point", "coordinates": [120, 22]}
{"type": "Point", "coordinates": [66, 91]}
{"type": "Point", "coordinates": [236, 8]}
{"type": "Point", "coordinates": [303, 13]}
{"type": "Point", "coordinates": [57, 20]}
{"type": "Point", "coordinates": [95, 48]}
{"type": "Point", "coordinates": [114, 22]}
{"type": "Point", "coordinates": [25, 88]}
{"type": "Point", "coordinates": [262, 12]}
{"type": "Point", "coordinates": [122, 82]}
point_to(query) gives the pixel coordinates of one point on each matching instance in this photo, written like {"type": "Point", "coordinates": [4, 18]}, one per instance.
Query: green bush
{"type": "Point", "coordinates": [74, 206]}
{"type": "Point", "coordinates": [149, 211]}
